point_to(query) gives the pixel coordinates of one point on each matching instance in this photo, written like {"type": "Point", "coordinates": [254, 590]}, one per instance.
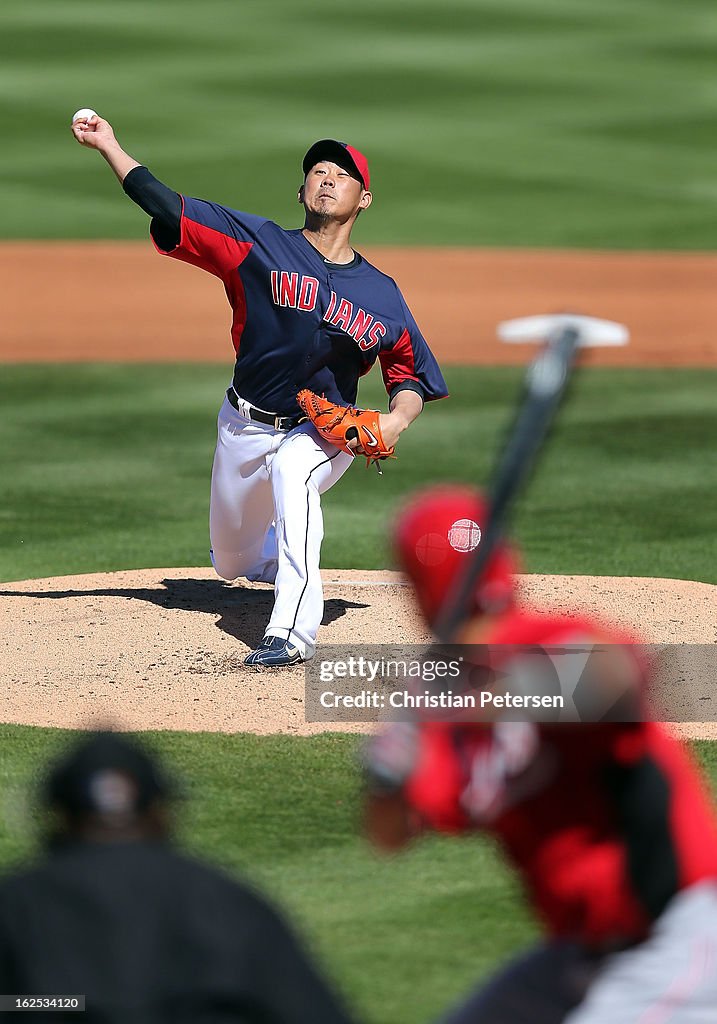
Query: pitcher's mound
{"type": "Point", "coordinates": [164, 648]}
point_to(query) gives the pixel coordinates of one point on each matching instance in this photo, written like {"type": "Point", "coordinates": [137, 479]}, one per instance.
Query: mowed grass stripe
{"type": "Point", "coordinates": [512, 123]}
{"type": "Point", "coordinates": [107, 467]}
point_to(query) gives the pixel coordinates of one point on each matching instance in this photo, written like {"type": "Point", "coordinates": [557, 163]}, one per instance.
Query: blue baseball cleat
{"type": "Point", "coordinates": [273, 652]}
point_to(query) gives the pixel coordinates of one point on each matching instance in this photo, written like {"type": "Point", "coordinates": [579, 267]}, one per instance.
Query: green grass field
{"type": "Point", "coordinates": [509, 122]}
{"type": "Point", "coordinates": [107, 467]}
{"type": "Point", "coordinates": [486, 122]}
{"type": "Point", "coordinates": [402, 938]}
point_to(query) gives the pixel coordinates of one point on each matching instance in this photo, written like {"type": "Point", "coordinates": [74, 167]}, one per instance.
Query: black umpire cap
{"type": "Point", "coordinates": [106, 774]}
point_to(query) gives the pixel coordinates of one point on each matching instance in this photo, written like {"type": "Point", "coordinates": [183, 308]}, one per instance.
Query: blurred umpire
{"type": "Point", "coordinates": [116, 913]}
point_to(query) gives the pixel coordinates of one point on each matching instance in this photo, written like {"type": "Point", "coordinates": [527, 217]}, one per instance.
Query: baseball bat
{"type": "Point", "coordinates": [543, 391]}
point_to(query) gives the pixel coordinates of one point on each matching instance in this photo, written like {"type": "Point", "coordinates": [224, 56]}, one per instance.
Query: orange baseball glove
{"type": "Point", "coordinates": [340, 424]}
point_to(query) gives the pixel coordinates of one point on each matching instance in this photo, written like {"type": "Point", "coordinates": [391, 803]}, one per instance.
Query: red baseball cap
{"type": "Point", "coordinates": [339, 153]}
{"type": "Point", "coordinates": [436, 536]}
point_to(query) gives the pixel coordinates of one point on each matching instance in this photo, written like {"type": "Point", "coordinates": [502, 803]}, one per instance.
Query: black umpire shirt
{"type": "Point", "coordinates": [149, 935]}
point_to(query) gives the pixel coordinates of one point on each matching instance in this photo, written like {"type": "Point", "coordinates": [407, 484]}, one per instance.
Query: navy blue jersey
{"type": "Point", "coordinates": [299, 322]}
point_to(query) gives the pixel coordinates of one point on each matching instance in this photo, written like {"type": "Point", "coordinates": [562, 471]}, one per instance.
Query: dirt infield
{"type": "Point", "coordinates": [163, 648]}
{"type": "Point", "coordinates": [138, 306]}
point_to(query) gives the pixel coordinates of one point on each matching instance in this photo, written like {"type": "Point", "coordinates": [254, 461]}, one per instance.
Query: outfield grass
{"type": "Point", "coordinates": [510, 122]}
{"type": "Point", "coordinates": [402, 937]}
{"type": "Point", "coordinates": [107, 467]}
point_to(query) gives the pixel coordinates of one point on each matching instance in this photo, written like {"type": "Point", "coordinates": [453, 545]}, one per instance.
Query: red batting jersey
{"type": "Point", "coordinates": [604, 822]}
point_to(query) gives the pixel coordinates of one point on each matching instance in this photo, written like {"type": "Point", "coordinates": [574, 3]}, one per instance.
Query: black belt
{"type": "Point", "coordinates": [277, 422]}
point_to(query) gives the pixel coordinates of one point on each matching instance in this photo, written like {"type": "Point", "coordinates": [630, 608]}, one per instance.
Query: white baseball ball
{"type": "Point", "coordinates": [84, 112]}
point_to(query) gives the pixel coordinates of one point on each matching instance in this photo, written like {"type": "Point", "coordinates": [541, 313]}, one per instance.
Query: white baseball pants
{"type": "Point", "coordinates": [265, 519]}
{"type": "Point", "coordinates": [670, 978]}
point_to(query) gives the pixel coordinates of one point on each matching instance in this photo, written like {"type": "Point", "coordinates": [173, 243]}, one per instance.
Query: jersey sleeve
{"type": "Point", "coordinates": [410, 361]}
{"type": "Point", "coordinates": [438, 780]}
{"type": "Point", "coordinates": [162, 204]}
{"type": "Point", "coordinates": [212, 237]}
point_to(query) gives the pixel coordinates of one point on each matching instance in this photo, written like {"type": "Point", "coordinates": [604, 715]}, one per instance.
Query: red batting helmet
{"type": "Point", "coordinates": [435, 537]}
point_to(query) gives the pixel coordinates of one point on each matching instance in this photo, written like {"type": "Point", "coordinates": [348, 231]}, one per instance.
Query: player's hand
{"type": "Point", "coordinates": [392, 425]}
{"type": "Point", "coordinates": [390, 756]}
{"type": "Point", "coordinates": [95, 132]}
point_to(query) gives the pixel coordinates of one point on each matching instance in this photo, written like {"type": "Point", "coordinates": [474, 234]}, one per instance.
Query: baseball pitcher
{"type": "Point", "coordinates": [310, 315]}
